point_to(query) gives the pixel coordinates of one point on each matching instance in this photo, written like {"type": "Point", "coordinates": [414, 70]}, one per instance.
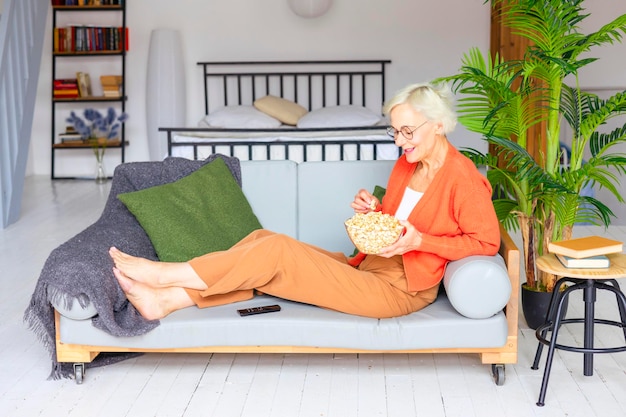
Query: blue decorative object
{"type": "Point", "coordinates": [97, 129]}
{"type": "Point", "coordinates": [96, 125]}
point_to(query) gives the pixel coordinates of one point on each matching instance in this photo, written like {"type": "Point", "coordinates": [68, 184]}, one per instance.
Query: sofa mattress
{"type": "Point", "coordinates": [437, 326]}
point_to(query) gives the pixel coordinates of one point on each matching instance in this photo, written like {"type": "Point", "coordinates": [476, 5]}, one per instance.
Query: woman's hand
{"type": "Point", "coordinates": [410, 240]}
{"type": "Point", "coordinates": [364, 202]}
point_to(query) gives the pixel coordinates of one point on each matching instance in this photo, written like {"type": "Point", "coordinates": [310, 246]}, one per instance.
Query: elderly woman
{"type": "Point", "coordinates": [438, 195]}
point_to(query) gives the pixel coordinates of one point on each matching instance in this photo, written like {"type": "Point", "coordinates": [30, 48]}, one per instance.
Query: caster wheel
{"type": "Point", "coordinates": [79, 372]}
{"type": "Point", "coordinates": [497, 371]}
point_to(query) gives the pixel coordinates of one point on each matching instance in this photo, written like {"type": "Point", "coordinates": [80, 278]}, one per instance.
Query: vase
{"type": "Point", "coordinates": [98, 146]}
{"type": "Point", "coordinates": [535, 306]}
{"type": "Point", "coordinates": [101, 176]}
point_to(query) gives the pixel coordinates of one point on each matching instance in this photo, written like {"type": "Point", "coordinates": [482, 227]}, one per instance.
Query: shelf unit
{"type": "Point", "coordinates": [99, 102]}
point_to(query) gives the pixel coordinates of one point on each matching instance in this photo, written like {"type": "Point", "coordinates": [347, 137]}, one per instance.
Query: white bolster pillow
{"type": "Point", "coordinates": [72, 308]}
{"type": "Point", "coordinates": [477, 286]}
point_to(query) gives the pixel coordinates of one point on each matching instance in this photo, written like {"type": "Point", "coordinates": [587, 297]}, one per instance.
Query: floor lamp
{"type": "Point", "coordinates": [165, 89]}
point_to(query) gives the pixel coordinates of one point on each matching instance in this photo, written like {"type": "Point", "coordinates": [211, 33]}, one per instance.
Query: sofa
{"type": "Point", "coordinates": [83, 318]}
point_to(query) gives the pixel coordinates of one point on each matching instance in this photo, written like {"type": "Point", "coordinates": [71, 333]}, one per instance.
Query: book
{"type": "Point", "coordinates": [66, 92]}
{"type": "Point", "coordinates": [66, 82]}
{"type": "Point", "coordinates": [111, 94]}
{"type": "Point", "coordinates": [114, 80]}
{"type": "Point", "coordinates": [585, 247]}
{"type": "Point", "coordinates": [65, 87]}
{"type": "Point", "coordinates": [70, 137]}
{"type": "Point", "coordinates": [73, 93]}
{"type": "Point", "coordinates": [84, 84]}
{"type": "Point", "coordinates": [599, 261]}
{"type": "Point", "coordinates": [111, 85]}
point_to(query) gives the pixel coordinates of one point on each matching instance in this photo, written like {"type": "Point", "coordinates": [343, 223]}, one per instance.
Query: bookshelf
{"type": "Point", "coordinates": [88, 37]}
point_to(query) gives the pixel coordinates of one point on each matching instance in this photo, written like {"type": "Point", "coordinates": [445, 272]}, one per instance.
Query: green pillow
{"type": "Point", "coordinates": [379, 192]}
{"type": "Point", "coordinates": [203, 212]}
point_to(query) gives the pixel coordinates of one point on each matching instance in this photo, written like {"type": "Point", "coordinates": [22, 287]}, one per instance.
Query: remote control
{"type": "Point", "coordinates": [258, 310]}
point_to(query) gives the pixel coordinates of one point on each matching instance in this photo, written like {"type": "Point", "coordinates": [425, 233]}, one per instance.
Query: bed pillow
{"type": "Point", "coordinates": [339, 116]}
{"type": "Point", "coordinates": [284, 110]}
{"type": "Point", "coordinates": [203, 212]}
{"type": "Point", "coordinates": [239, 117]}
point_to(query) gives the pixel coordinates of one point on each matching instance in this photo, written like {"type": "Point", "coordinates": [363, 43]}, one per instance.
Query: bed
{"type": "Point", "coordinates": [294, 110]}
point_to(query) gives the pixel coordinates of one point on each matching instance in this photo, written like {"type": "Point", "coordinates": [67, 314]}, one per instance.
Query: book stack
{"type": "Point", "coordinates": [70, 135]}
{"type": "Point", "coordinates": [585, 252]}
{"type": "Point", "coordinates": [111, 85]}
{"type": "Point", "coordinates": [65, 88]}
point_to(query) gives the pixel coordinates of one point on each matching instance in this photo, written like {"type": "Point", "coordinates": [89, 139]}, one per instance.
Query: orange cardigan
{"type": "Point", "coordinates": [455, 216]}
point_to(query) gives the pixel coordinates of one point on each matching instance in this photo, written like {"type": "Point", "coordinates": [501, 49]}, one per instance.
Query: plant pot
{"type": "Point", "coordinates": [535, 306]}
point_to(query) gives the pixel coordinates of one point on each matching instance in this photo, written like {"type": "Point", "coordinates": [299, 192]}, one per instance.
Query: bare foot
{"type": "Point", "coordinates": [152, 304]}
{"type": "Point", "coordinates": [144, 298]}
{"type": "Point", "coordinates": [138, 269]}
{"type": "Point", "coordinates": [156, 274]}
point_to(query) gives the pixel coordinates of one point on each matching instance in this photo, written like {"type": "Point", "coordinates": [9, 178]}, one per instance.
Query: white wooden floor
{"type": "Point", "coordinates": [224, 385]}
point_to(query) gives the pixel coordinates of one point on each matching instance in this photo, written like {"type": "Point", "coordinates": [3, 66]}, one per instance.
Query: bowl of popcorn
{"type": "Point", "coordinates": [370, 232]}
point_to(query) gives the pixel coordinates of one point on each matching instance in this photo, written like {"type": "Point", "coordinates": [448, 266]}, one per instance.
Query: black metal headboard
{"type": "Point", "coordinates": [312, 84]}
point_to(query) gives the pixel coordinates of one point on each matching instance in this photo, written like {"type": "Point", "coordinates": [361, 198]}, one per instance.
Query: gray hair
{"type": "Point", "coordinates": [434, 101]}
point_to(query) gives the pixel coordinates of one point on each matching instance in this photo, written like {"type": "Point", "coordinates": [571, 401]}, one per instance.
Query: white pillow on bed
{"type": "Point", "coordinates": [244, 117]}
{"type": "Point", "coordinates": [339, 116]}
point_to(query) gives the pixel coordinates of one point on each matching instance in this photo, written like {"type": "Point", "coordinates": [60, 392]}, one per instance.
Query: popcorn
{"type": "Point", "coordinates": [373, 231]}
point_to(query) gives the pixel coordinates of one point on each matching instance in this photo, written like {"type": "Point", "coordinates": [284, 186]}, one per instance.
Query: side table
{"type": "Point", "coordinates": [589, 281]}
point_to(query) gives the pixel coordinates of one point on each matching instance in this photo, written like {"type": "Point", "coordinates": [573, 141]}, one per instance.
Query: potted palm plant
{"type": "Point", "coordinates": [506, 101]}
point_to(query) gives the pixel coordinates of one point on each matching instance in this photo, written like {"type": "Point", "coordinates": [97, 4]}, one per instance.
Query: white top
{"type": "Point", "coordinates": [409, 200]}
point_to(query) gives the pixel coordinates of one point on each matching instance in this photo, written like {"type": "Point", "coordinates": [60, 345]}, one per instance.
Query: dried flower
{"type": "Point", "coordinates": [97, 125]}
{"type": "Point", "coordinates": [97, 128]}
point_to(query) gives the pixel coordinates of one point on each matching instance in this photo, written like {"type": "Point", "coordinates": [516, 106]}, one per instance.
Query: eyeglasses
{"type": "Point", "coordinates": [407, 131]}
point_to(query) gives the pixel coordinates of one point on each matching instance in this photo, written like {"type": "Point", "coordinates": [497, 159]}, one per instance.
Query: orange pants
{"type": "Point", "coordinates": [284, 267]}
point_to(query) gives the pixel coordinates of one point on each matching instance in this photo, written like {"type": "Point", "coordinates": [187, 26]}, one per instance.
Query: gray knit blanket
{"type": "Point", "coordinates": [81, 269]}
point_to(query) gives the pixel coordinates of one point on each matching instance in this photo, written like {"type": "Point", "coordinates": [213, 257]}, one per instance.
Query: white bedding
{"type": "Point", "coordinates": [294, 140]}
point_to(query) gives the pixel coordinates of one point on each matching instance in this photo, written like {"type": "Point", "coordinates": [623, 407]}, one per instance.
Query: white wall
{"type": "Point", "coordinates": [423, 39]}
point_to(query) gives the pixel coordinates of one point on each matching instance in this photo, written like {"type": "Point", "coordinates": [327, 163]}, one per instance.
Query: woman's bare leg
{"type": "Point", "coordinates": [156, 274]}
{"type": "Point", "coordinates": [153, 303]}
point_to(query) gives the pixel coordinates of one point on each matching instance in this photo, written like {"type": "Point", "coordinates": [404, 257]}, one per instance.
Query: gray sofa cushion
{"type": "Point", "coordinates": [271, 190]}
{"type": "Point", "coordinates": [325, 191]}
{"type": "Point", "coordinates": [437, 326]}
